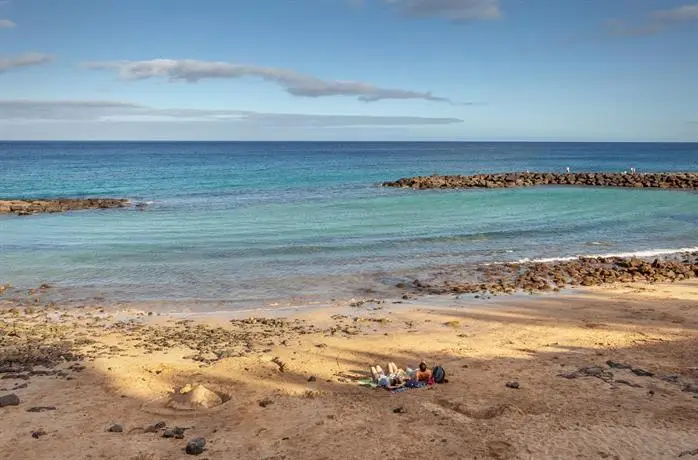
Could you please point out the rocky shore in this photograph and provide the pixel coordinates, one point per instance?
(679, 180)
(541, 277)
(29, 207)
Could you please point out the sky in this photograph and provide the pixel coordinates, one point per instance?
(499, 70)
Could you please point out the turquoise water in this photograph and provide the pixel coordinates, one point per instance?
(256, 223)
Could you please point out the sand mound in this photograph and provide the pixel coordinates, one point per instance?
(193, 397)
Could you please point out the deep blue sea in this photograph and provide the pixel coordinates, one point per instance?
(253, 224)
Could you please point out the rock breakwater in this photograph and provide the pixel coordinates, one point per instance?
(541, 277)
(678, 180)
(29, 207)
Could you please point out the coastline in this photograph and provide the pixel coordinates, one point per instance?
(99, 366)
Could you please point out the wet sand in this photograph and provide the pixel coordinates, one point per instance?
(287, 386)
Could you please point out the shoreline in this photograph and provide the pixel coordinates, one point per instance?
(477, 281)
(288, 385)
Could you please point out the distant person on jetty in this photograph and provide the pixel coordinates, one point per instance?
(567, 170)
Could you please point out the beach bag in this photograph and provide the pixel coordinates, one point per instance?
(438, 374)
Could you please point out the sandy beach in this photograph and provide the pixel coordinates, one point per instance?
(603, 372)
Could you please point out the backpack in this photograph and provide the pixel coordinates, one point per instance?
(438, 374)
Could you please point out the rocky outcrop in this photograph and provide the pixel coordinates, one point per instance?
(678, 180)
(29, 207)
(540, 277)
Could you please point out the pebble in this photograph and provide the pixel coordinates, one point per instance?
(616, 365)
(154, 428)
(642, 373)
(116, 428)
(400, 410)
(513, 384)
(312, 378)
(195, 446)
(38, 433)
(265, 402)
(176, 432)
(9, 400)
(41, 408)
(690, 388)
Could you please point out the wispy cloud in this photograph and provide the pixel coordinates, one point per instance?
(297, 84)
(682, 13)
(24, 110)
(657, 21)
(24, 60)
(455, 10)
(7, 24)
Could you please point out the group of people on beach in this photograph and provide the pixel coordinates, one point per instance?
(396, 377)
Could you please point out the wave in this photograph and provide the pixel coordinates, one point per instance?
(646, 253)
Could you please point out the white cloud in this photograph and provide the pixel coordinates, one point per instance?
(456, 10)
(24, 60)
(7, 24)
(297, 84)
(658, 21)
(29, 110)
(682, 13)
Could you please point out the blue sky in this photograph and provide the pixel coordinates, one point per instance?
(615, 70)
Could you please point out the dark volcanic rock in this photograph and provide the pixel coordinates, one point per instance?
(615, 365)
(541, 277)
(195, 446)
(154, 428)
(176, 432)
(9, 400)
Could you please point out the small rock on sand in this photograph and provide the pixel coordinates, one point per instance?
(615, 365)
(176, 432)
(195, 446)
(265, 402)
(688, 452)
(41, 408)
(513, 384)
(9, 400)
(116, 428)
(38, 433)
(690, 388)
(154, 428)
(642, 373)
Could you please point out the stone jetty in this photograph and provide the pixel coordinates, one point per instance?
(666, 180)
(29, 207)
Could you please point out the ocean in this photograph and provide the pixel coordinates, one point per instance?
(259, 224)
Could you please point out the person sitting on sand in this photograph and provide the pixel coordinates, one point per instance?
(423, 374)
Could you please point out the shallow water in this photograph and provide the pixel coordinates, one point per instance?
(245, 224)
